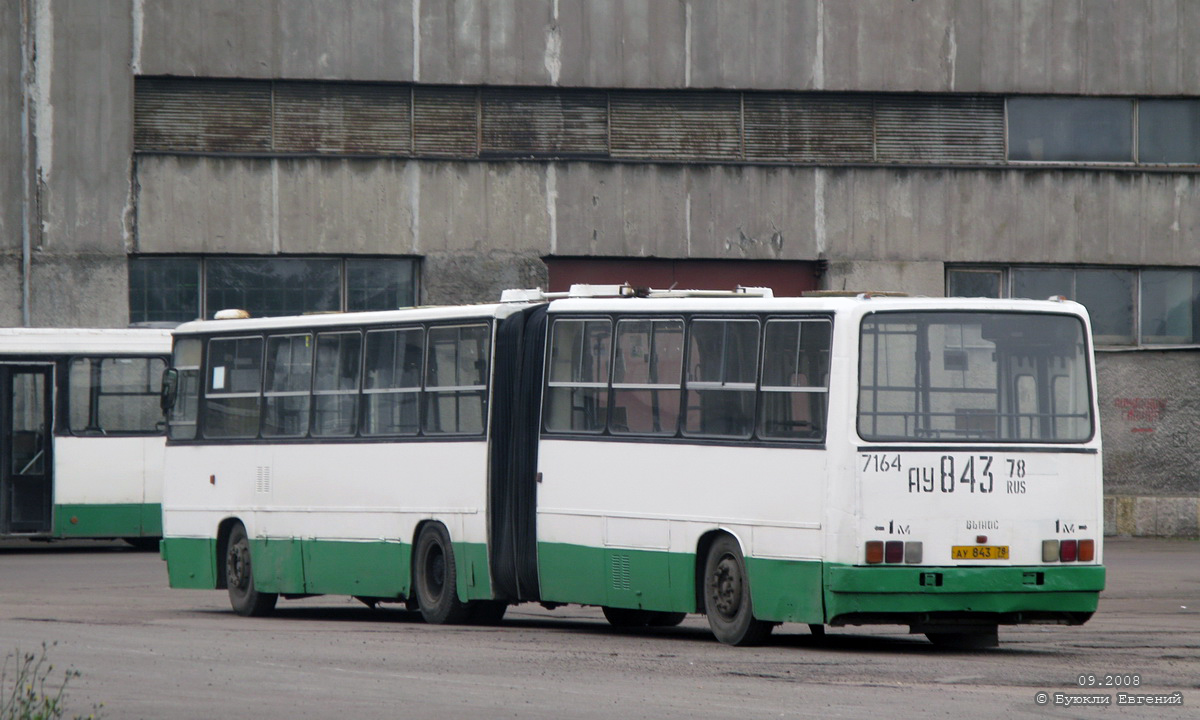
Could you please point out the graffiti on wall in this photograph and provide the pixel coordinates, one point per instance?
(1143, 412)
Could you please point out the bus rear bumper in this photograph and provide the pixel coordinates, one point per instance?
(961, 595)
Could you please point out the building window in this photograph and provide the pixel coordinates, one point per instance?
(1170, 307)
(179, 289)
(1138, 307)
(164, 290)
(1169, 131)
(1071, 129)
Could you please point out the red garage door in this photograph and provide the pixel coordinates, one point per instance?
(784, 277)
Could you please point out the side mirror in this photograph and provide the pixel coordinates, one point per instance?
(170, 389)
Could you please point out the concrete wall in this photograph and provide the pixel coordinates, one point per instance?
(1025, 46)
(860, 218)
(1150, 409)
(80, 148)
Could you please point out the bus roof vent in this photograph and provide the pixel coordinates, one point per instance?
(528, 295)
(231, 314)
(602, 291)
(860, 294)
(627, 290)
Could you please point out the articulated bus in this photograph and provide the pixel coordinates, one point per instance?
(81, 433)
(830, 461)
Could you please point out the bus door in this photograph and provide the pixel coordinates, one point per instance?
(26, 433)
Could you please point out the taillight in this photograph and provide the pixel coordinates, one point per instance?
(894, 552)
(1068, 551)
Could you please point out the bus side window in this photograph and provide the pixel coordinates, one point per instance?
(456, 380)
(392, 387)
(115, 395)
(234, 384)
(335, 389)
(181, 418)
(577, 392)
(289, 376)
(795, 378)
(646, 377)
(722, 373)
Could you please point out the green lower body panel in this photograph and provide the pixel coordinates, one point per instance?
(1015, 592)
(191, 562)
(324, 567)
(786, 590)
(780, 590)
(123, 520)
(474, 574)
(617, 577)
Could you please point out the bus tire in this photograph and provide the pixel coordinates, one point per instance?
(436, 578)
(239, 577)
(727, 596)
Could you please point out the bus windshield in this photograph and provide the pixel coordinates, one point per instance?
(974, 376)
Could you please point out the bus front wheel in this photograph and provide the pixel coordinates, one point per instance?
(727, 596)
(239, 577)
(437, 592)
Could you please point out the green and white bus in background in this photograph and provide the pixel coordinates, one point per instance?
(81, 433)
(831, 461)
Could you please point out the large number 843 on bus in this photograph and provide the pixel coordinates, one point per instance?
(831, 461)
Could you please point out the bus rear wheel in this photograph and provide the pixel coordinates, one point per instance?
(435, 578)
(239, 577)
(727, 596)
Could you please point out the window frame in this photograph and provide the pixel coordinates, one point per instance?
(1138, 285)
(202, 435)
(201, 267)
(756, 437)
(96, 364)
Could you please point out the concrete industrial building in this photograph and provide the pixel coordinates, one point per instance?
(160, 159)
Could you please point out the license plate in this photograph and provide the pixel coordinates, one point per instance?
(979, 552)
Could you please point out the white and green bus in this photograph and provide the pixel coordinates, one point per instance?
(81, 433)
(829, 461)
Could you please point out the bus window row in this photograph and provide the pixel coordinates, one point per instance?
(335, 384)
(741, 378)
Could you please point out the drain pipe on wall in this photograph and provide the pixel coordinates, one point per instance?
(27, 218)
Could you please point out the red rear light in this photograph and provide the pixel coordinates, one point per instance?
(1087, 550)
(1067, 550)
(894, 551)
(874, 552)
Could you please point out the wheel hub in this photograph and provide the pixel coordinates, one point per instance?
(235, 566)
(725, 587)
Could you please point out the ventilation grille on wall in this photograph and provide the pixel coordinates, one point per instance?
(195, 115)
